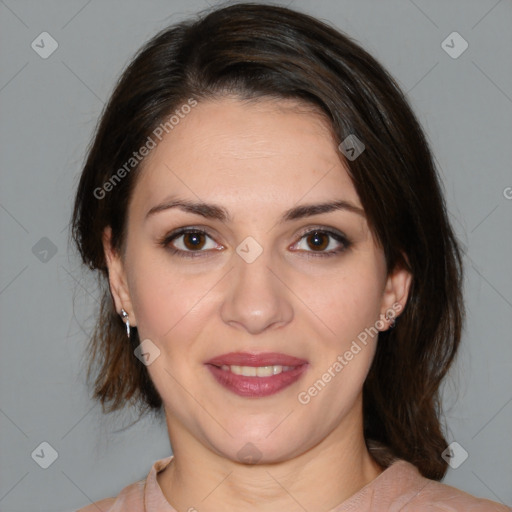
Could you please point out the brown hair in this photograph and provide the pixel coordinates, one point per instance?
(253, 51)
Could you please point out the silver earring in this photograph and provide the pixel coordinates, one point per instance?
(124, 314)
(391, 319)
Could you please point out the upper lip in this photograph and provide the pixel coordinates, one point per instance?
(251, 359)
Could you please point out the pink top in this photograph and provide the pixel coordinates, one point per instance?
(400, 487)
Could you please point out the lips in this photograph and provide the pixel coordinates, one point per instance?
(256, 375)
(263, 359)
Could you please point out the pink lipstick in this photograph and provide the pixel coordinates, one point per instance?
(256, 375)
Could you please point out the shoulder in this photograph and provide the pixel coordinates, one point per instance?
(99, 506)
(130, 498)
(402, 486)
(423, 494)
(442, 497)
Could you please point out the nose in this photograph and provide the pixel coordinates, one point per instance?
(256, 298)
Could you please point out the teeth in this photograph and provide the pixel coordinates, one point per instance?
(256, 371)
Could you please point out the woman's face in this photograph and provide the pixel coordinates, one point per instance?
(265, 312)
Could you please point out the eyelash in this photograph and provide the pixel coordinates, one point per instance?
(170, 237)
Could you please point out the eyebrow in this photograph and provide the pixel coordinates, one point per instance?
(216, 212)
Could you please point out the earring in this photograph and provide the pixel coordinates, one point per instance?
(391, 319)
(124, 314)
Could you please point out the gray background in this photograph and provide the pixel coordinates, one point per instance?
(49, 108)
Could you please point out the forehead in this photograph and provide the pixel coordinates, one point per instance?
(267, 151)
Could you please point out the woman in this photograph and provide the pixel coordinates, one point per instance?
(283, 281)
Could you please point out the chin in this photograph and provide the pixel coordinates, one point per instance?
(263, 446)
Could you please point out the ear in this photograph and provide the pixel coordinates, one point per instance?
(394, 299)
(117, 277)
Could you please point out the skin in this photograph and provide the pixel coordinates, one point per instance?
(256, 159)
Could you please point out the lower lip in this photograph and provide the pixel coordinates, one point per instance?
(256, 386)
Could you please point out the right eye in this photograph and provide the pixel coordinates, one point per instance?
(188, 242)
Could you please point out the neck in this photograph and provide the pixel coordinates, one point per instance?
(319, 479)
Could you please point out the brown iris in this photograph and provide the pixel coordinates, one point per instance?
(194, 241)
(319, 241)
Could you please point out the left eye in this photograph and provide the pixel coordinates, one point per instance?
(324, 243)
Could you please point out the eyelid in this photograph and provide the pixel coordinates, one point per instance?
(323, 229)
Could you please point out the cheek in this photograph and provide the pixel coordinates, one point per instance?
(348, 305)
(167, 303)
(154, 301)
(347, 301)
